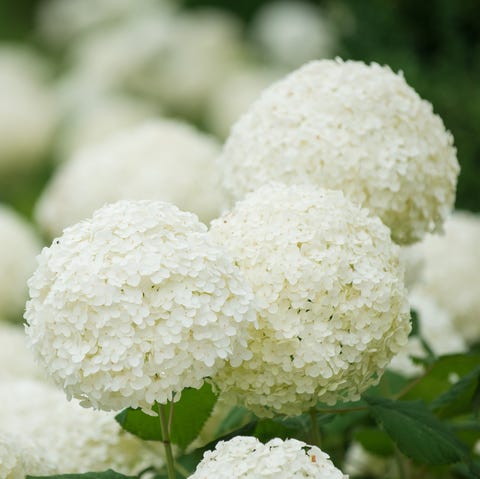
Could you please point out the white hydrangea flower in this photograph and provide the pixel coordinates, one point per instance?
(332, 307)
(16, 360)
(59, 21)
(77, 440)
(353, 127)
(291, 33)
(27, 109)
(436, 327)
(451, 273)
(135, 304)
(99, 117)
(19, 246)
(233, 97)
(19, 457)
(117, 57)
(203, 46)
(157, 160)
(246, 457)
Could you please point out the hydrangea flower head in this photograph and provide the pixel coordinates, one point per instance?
(133, 305)
(332, 306)
(246, 457)
(353, 127)
(77, 440)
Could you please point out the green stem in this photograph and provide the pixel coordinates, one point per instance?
(166, 441)
(315, 430)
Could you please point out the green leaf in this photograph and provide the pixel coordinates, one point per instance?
(375, 441)
(416, 431)
(459, 399)
(415, 323)
(189, 415)
(87, 475)
(283, 428)
(237, 417)
(437, 379)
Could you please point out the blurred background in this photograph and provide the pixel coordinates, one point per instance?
(227, 52)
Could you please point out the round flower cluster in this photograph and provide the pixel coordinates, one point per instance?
(158, 160)
(19, 246)
(245, 457)
(332, 307)
(136, 304)
(19, 457)
(451, 272)
(28, 111)
(77, 440)
(291, 33)
(16, 361)
(352, 127)
(436, 328)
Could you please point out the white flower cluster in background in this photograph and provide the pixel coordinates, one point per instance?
(159, 159)
(291, 33)
(243, 457)
(202, 48)
(28, 111)
(436, 327)
(451, 274)
(76, 439)
(354, 127)
(16, 361)
(19, 246)
(60, 22)
(19, 457)
(332, 307)
(96, 118)
(135, 304)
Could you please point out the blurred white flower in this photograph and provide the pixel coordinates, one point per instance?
(332, 307)
(16, 360)
(159, 159)
(20, 245)
(243, 457)
(452, 272)
(202, 48)
(28, 111)
(292, 33)
(134, 305)
(19, 457)
(233, 97)
(359, 462)
(436, 328)
(98, 117)
(76, 439)
(59, 21)
(354, 127)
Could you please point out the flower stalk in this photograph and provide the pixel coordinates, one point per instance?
(164, 425)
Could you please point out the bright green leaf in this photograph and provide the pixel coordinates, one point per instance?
(416, 431)
(87, 475)
(189, 415)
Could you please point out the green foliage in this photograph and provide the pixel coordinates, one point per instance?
(416, 431)
(109, 474)
(375, 441)
(189, 415)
